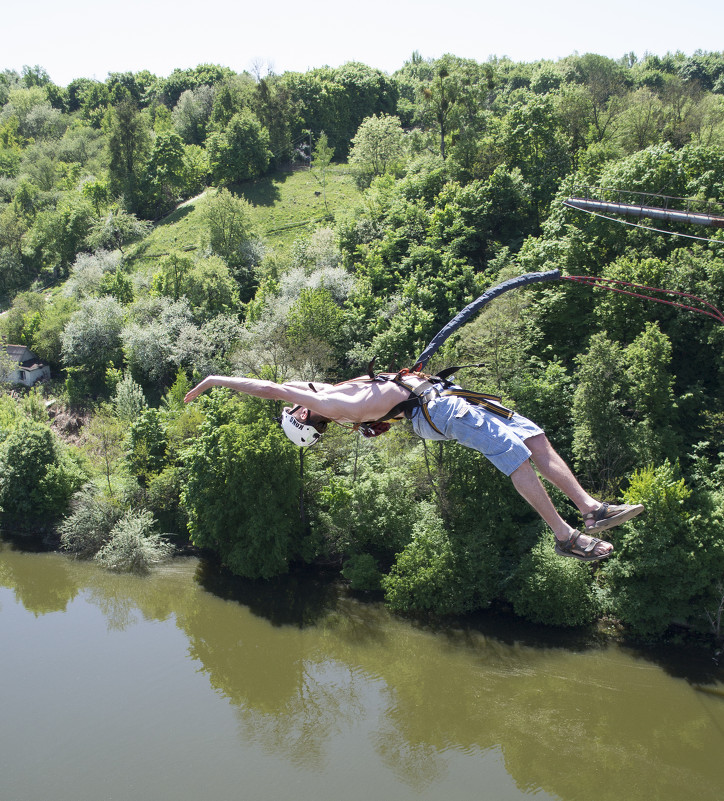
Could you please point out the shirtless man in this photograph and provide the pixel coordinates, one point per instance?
(510, 444)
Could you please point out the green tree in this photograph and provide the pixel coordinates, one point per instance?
(165, 175)
(47, 340)
(37, 475)
(321, 159)
(531, 141)
(35, 76)
(240, 151)
(367, 511)
(424, 577)
(169, 90)
(279, 113)
(652, 396)
(603, 83)
(377, 147)
(602, 435)
(128, 400)
(192, 112)
(146, 446)
(440, 97)
(437, 573)
(103, 440)
(553, 591)
(92, 337)
(231, 232)
(670, 559)
(58, 235)
(314, 317)
(640, 120)
(196, 170)
(211, 290)
(172, 275)
(116, 228)
(11, 146)
(242, 492)
(337, 100)
(129, 143)
(18, 321)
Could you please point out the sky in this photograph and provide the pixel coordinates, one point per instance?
(90, 38)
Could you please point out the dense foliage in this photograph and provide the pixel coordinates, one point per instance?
(461, 169)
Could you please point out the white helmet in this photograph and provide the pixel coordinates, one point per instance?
(301, 434)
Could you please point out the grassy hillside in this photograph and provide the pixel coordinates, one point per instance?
(285, 206)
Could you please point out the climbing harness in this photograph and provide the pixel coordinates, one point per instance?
(435, 386)
(430, 388)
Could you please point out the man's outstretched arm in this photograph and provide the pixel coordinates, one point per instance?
(293, 392)
(324, 399)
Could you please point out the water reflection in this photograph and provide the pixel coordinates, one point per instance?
(39, 592)
(324, 683)
(297, 599)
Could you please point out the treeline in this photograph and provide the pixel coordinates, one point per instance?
(463, 167)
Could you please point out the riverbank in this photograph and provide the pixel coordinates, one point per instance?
(301, 598)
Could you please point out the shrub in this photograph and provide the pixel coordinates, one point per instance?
(362, 573)
(552, 590)
(92, 336)
(370, 513)
(242, 492)
(671, 557)
(423, 576)
(133, 546)
(146, 445)
(129, 400)
(88, 527)
(435, 572)
(163, 499)
(38, 476)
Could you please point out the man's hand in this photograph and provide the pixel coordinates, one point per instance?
(200, 388)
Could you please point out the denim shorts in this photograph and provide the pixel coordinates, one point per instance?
(501, 441)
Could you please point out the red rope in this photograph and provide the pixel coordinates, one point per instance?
(604, 283)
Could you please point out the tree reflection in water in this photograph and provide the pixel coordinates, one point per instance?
(312, 673)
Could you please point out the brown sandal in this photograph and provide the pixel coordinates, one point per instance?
(609, 515)
(585, 554)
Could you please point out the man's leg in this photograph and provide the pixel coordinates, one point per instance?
(527, 483)
(554, 469)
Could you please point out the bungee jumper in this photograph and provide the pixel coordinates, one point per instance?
(439, 409)
(439, 412)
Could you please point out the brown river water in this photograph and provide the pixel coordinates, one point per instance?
(188, 684)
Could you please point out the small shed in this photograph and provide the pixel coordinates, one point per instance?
(22, 366)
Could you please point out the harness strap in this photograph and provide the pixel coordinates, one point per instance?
(448, 371)
(426, 391)
(491, 403)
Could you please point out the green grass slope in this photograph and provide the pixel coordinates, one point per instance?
(285, 206)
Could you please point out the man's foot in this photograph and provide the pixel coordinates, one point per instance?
(609, 515)
(580, 546)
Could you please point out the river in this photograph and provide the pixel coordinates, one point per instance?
(188, 684)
